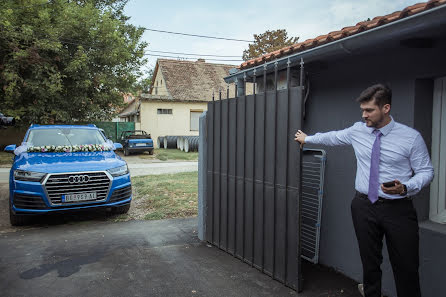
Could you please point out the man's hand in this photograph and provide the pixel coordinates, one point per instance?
(395, 190)
(300, 137)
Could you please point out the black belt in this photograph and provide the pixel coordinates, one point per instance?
(383, 200)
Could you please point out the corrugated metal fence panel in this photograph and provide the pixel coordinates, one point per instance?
(124, 126)
(209, 211)
(313, 167)
(253, 181)
(113, 130)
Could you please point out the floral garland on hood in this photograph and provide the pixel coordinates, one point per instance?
(69, 148)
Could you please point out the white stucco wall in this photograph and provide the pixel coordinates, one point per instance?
(175, 124)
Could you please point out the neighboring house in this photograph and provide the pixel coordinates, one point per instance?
(131, 113)
(178, 95)
(128, 98)
(405, 49)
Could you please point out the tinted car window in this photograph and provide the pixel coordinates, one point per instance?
(40, 137)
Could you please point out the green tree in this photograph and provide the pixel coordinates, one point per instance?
(66, 60)
(144, 82)
(268, 42)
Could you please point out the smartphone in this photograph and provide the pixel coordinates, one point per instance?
(389, 184)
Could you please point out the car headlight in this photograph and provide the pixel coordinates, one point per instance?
(28, 175)
(117, 171)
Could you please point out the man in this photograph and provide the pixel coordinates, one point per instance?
(393, 164)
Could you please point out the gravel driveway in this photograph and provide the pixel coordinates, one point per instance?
(138, 167)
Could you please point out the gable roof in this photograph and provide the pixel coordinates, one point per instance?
(192, 81)
(131, 109)
(343, 33)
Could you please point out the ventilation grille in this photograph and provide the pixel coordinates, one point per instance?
(121, 194)
(28, 202)
(59, 184)
(313, 167)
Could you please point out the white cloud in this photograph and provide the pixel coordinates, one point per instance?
(351, 12)
(241, 19)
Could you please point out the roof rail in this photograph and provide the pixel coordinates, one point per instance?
(34, 125)
(91, 125)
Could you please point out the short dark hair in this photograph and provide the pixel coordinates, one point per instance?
(380, 92)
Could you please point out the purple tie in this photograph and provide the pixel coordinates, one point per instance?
(374, 168)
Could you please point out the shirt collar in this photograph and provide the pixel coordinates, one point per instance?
(386, 129)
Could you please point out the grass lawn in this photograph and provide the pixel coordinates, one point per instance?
(5, 158)
(165, 196)
(171, 154)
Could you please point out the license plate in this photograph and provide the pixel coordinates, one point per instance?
(140, 144)
(79, 197)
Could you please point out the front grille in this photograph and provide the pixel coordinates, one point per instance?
(58, 185)
(28, 202)
(121, 194)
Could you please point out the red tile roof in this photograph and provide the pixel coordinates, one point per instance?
(344, 32)
(192, 81)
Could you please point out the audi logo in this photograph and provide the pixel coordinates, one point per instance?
(78, 179)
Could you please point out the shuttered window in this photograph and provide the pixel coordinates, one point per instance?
(194, 119)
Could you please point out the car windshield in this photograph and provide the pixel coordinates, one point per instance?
(64, 136)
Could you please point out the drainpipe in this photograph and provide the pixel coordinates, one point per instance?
(240, 87)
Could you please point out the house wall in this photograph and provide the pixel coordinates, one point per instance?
(175, 124)
(331, 106)
(159, 85)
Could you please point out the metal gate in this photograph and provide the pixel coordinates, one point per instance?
(253, 179)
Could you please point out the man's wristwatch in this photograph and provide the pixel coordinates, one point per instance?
(404, 192)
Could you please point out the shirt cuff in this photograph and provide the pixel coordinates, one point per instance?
(411, 188)
(309, 139)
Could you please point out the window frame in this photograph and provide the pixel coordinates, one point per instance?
(164, 111)
(190, 119)
(437, 205)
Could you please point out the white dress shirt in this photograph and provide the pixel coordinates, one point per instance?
(403, 155)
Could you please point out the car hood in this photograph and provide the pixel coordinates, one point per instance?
(67, 162)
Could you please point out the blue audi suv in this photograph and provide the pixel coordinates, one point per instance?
(60, 168)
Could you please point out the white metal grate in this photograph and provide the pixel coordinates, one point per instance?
(313, 168)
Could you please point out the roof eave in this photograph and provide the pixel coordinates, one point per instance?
(406, 26)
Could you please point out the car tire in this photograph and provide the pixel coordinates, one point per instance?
(151, 152)
(17, 220)
(121, 209)
(126, 151)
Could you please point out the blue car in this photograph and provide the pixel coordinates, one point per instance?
(136, 141)
(61, 168)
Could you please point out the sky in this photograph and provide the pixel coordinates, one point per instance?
(238, 19)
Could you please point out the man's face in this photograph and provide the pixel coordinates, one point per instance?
(373, 115)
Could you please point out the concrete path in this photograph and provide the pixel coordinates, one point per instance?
(4, 174)
(162, 168)
(139, 169)
(139, 258)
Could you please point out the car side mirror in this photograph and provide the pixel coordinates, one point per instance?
(10, 148)
(118, 146)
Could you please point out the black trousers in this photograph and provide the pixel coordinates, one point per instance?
(397, 221)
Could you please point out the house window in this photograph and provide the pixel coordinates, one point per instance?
(195, 119)
(437, 212)
(164, 111)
